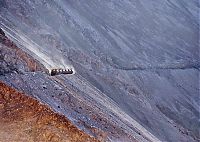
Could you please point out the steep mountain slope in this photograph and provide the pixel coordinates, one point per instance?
(136, 60)
(25, 119)
(24, 73)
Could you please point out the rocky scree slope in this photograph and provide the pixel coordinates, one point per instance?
(142, 57)
(26, 74)
(26, 119)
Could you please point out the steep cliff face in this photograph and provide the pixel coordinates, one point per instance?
(137, 63)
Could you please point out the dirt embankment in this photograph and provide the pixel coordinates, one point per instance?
(25, 119)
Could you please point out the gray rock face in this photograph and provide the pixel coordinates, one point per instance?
(139, 57)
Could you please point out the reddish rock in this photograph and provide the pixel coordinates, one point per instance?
(25, 119)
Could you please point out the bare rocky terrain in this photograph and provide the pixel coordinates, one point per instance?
(26, 74)
(137, 64)
(25, 119)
